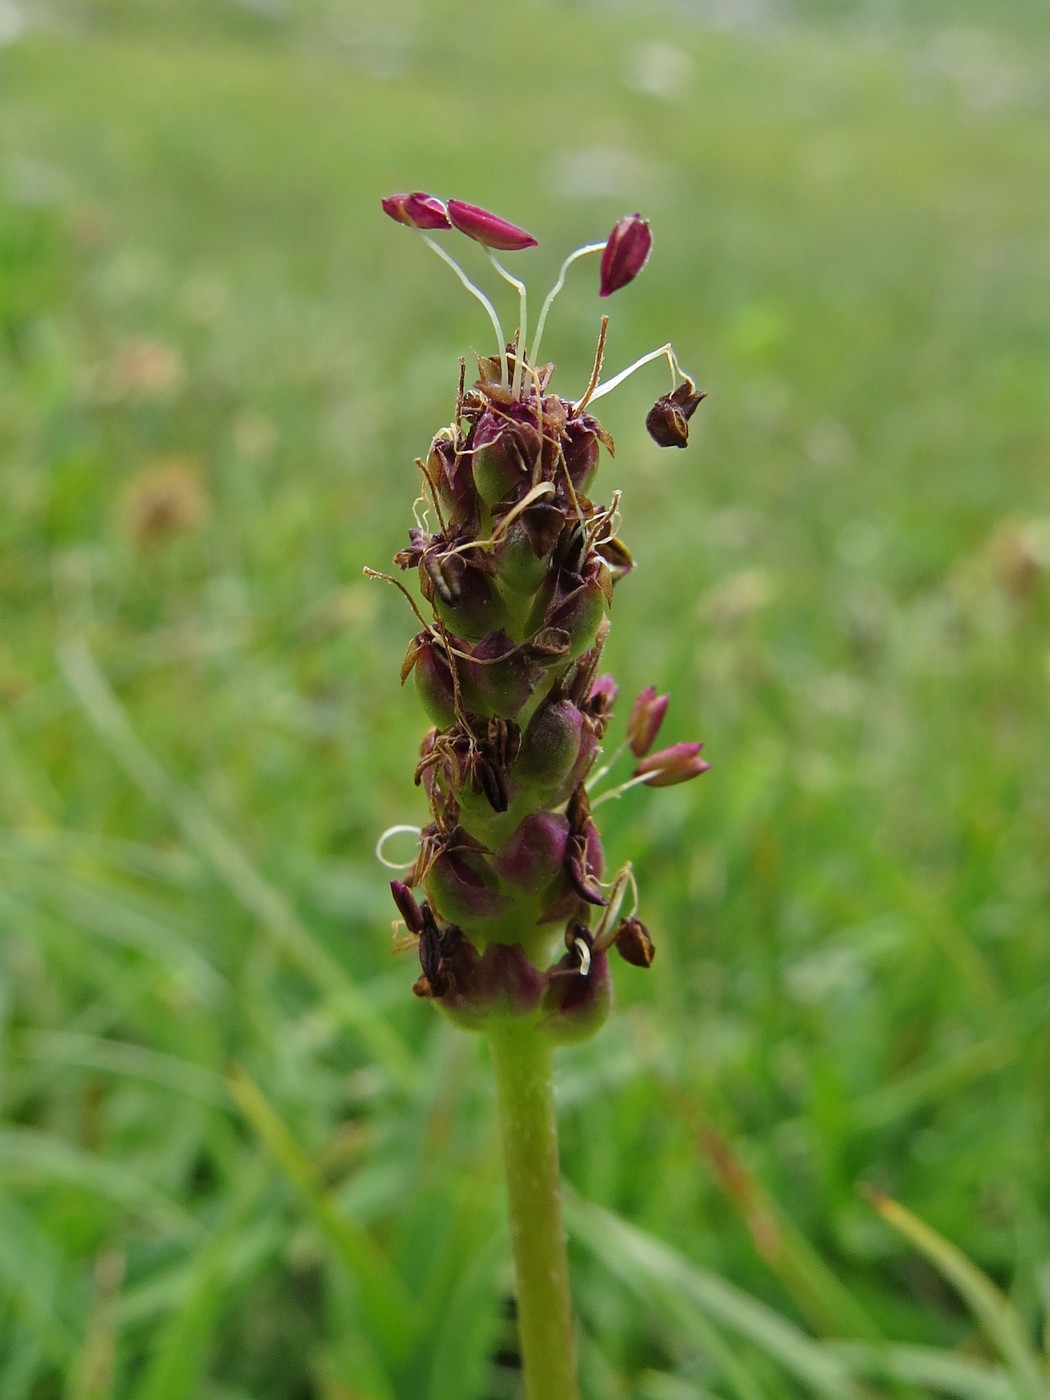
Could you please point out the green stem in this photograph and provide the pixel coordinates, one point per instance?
(522, 1061)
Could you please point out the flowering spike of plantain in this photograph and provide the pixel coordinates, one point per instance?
(518, 569)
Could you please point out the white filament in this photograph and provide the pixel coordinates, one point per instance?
(476, 292)
(381, 844)
(523, 317)
(664, 352)
(579, 253)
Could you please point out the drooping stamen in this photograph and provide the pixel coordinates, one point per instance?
(432, 490)
(604, 933)
(523, 317)
(645, 779)
(480, 295)
(582, 950)
(583, 252)
(374, 573)
(400, 830)
(665, 352)
(603, 771)
(545, 488)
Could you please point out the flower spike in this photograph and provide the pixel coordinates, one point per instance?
(417, 210)
(487, 228)
(507, 901)
(625, 253)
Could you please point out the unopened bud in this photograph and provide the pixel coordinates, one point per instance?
(503, 455)
(463, 888)
(577, 1004)
(535, 852)
(550, 746)
(503, 675)
(433, 677)
(580, 613)
(502, 983)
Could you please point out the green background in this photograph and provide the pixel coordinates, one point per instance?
(237, 1160)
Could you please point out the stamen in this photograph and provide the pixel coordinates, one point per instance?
(374, 573)
(419, 514)
(605, 932)
(523, 317)
(534, 354)
(599, 773)
(381, 843)
(638, 781)
(476, 292)
(402, 942)
(433, 491)
(665, 352)
(604, 527)
(580, 947)
(544, 488)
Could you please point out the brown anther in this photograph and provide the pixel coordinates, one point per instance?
(633, 943)
(667, 422)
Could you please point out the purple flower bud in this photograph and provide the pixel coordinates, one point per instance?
(535, 852)
(503, 982)
(581, 451)
(550, 745)
(417, 210)
(677, 764)
(488, 228)
(667, 422)
(645, 719)
(461, 594)
(407, 906)
(433, 679)
(449, 473)
(522, 557)
(625, 253)
(502, 676)
(580, 613)
(577, 1006)
(504, 452)
(589, 750)
(463, 888)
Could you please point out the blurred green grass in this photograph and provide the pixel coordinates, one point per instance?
(217, 362)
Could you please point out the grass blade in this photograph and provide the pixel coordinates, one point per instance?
(383, 1298)
(941, 1371)
(989, 1306)
(657, 1272)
